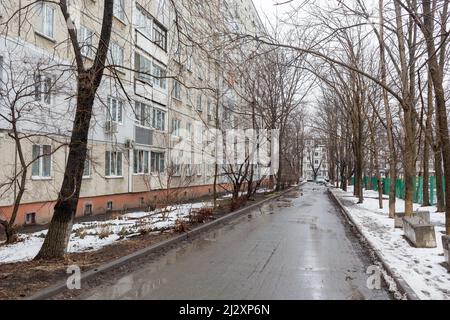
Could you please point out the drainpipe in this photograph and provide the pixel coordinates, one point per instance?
(15, 171)
(130, 170)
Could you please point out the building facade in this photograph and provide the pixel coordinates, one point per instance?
(154, 106)
(315, 160)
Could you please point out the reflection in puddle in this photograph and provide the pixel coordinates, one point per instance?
(284, 203)
(294, 194)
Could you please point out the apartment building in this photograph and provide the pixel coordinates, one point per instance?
(152, 107)
(315, 160)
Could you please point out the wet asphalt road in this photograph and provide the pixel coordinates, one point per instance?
(297, 247)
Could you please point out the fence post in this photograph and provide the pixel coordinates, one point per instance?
(432, 190)
(418, 194)
(386, 185)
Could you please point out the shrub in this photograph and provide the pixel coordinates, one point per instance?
(105, 232)
(201, 215)
(145, 230)
(237, 203)
(123, 232)
(180, 226)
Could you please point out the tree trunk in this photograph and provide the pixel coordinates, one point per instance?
(389, 122)
(438, 177)
(409, 163)
(57, 239)
(280, 165)
(441, 111)
(88, 81)
(426, 148)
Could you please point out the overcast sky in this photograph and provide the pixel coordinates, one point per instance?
(267, 8)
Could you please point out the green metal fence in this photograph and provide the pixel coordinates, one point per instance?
(371, 183)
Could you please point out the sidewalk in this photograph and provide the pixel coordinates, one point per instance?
(420, 268)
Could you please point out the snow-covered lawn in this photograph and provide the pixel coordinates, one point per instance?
(94, 235)
(420, 268)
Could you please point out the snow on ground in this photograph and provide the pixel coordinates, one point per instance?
(420, 268)
(94, 235)
(242, 193)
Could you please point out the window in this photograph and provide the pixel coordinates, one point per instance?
(42, 161)
(176, 90)
(143, 114)
(109, 206)
(159, 35)
(189, 129)
(188, 97)
(176, 168)
(118, 9)
(143, 67)
(87, 47)
(30, 218)
(1, 72)
(188, 170)
(189, 62)
(115, 110)
(316, 154)
(140, 161)
(157, 162)
(43, 88)
(210, 111)
(143, 21)
(47, 15)
(113, 164)
(159, 119)
(159, 74)
(199, 102)
(200, 70)
(88, 209)
(87, 165)
(176, 125)
(316, 161)
(115, 55)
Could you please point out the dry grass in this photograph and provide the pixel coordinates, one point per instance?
(201, 215)
(180, 226)
(104, 232)
(238, 203)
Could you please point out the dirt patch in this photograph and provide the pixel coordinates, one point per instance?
(21, 279)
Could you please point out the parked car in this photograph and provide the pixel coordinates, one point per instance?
(321, 181)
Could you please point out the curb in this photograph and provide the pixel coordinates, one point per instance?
(401, 283)
(61, 286)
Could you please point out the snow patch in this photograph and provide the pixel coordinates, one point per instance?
(420, 267)
(94, 235)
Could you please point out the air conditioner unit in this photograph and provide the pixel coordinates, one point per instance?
(129, 144)
(110, 127)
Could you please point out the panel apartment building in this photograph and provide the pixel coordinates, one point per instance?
(148, 106)
(315, 160)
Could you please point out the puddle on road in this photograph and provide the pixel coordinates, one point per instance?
(305, 220)
(272, 207)
(293, 194)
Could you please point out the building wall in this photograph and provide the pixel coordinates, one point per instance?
(120, 202)
(26, 50)
(315, 159)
